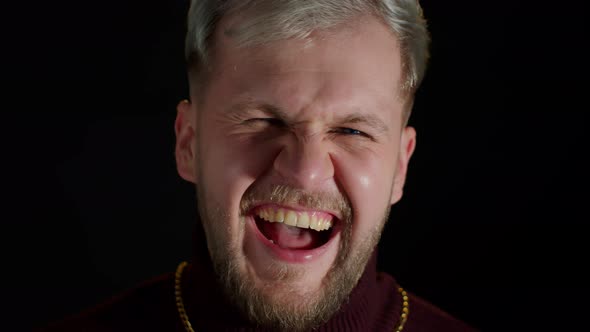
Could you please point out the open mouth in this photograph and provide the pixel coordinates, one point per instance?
(295, 230)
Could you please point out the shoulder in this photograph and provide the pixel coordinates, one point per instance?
(148, 307)
(425, 316)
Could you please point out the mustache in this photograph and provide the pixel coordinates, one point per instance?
(287, 195)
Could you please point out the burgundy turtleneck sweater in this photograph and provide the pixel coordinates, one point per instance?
(374, 305)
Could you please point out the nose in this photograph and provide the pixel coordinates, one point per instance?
(305, 164)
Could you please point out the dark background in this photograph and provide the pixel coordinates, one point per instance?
(492, 227)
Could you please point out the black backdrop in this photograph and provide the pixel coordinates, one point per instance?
(492, 224)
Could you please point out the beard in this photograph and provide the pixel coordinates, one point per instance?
(279, 304)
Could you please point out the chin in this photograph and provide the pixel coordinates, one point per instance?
(283, 274)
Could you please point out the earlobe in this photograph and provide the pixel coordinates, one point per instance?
(407, 146)
(184, 128)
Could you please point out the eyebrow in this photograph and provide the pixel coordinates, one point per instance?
(370, 120)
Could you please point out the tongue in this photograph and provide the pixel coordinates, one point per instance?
(290, 237)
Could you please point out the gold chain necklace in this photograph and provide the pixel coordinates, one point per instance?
(189, 328)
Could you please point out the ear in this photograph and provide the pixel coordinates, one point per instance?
(185, 128)
(407, 146)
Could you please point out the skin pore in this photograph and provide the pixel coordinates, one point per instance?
(301, 125)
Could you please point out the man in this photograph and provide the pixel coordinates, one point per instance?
(295, 136)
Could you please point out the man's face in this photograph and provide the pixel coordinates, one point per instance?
(297, 149)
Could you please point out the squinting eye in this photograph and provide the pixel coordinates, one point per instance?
(270, 121)
(350, 131)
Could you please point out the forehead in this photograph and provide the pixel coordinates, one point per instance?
(357, 63)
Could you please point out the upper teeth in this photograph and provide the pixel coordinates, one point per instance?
(318, 221)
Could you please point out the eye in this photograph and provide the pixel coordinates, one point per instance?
(350, 132)
(271, 121)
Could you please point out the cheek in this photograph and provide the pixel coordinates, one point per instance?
(229, 164)
(365, 177)
(367, 181)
